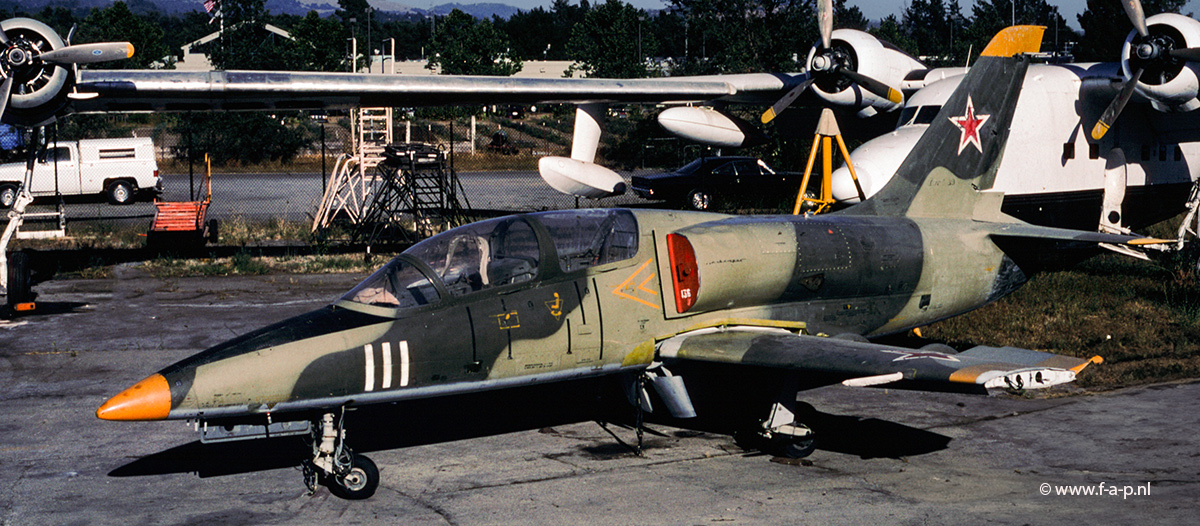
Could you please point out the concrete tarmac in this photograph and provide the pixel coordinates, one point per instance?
(885, 456)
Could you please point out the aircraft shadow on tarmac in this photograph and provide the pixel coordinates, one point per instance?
(420, 422)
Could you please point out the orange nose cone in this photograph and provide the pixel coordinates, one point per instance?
(149, 399)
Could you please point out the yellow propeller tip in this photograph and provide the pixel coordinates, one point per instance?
(768, 115)
(1099, 130)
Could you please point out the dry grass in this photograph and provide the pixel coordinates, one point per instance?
(244, 264)
(1138, 316)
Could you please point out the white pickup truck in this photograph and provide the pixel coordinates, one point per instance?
(121, 170)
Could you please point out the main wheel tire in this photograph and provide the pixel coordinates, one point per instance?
(359, 483)
(793, 447)
(698, 199)
(120, 193)
(8, 195)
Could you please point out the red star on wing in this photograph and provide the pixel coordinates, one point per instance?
(970, 124)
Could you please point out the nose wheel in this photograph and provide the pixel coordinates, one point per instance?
(359, 482)
(347, 475)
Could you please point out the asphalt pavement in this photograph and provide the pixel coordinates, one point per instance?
(885, 456)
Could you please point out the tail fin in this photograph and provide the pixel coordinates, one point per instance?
(958, 155)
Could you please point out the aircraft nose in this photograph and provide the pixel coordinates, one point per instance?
(149, 399)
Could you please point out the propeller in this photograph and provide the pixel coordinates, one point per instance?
(31, 56)
(828, 62)
(1147, 52)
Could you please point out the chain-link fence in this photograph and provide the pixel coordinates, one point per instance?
(270, 172)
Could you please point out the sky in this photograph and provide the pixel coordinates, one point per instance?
(872, 9)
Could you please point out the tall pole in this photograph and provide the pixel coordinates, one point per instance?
(370, 57)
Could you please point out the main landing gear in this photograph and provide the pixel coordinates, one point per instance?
(349, 476)
(779, 434)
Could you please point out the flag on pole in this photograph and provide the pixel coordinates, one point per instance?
(209, 5)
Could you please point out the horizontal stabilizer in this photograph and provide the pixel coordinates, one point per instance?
(865, 363)
(1027, 231)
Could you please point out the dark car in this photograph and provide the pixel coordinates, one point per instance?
(696, 184)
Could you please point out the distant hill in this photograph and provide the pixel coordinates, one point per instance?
(291, 7)
(482, 11)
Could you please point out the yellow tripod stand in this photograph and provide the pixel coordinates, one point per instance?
(827, 130)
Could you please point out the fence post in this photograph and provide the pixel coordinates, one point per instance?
(191, 172)
(324, 173)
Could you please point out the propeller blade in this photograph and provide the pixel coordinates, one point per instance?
(89, 53)
(3, 37)
(825, 21)
(1114, 109)
(1187, 53)
(786, 100)
(874, 86)
(4, 93)
(1133, 8)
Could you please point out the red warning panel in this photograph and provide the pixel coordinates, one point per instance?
(684, 272)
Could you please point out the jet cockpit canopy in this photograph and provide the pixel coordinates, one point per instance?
(500, 252)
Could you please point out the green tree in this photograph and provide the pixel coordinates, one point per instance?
(248, 138)
(463, 45)
(607, 42)
(117, 23)
(733, 36)
(541, 33)
(990, 16)
(318, 44)
(246, 43)
(412, 34)
(926, 23)
(849, 17)
(1105, 27)
(889, 30)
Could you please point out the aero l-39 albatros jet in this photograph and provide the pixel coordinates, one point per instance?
(643, 296)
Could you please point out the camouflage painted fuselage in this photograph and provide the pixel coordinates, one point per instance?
(820, 275)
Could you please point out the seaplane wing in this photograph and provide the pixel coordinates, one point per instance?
(164, 90)
(862, 363)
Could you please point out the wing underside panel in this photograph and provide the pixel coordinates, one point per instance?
(865, 363)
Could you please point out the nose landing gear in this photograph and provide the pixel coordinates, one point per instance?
(349, 476)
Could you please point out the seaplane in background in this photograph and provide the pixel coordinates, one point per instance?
(1085, 156)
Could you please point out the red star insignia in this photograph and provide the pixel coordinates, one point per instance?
(915, 355)
(970, 124)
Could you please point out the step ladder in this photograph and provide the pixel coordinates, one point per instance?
(418, 196)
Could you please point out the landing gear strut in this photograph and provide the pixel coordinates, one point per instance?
(780, 434)
(349, 476)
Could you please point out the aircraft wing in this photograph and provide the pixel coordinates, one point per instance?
(166, 90)
(864, 364)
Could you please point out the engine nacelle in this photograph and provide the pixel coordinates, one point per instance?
(39, 90)
(710, 126)
(869, 56)
(1169, 84)
(581, 178)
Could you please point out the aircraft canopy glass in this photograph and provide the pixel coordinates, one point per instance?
(586, 238)
(500, 252)
(480, 255)
(398, 284)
